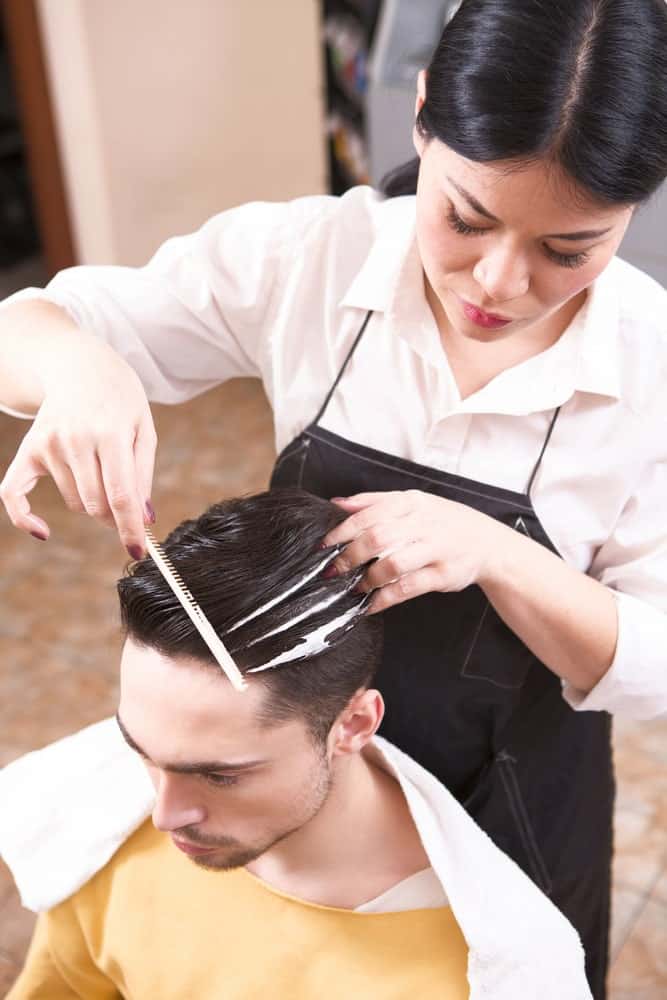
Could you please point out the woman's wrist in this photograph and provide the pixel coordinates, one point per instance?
(502, 547)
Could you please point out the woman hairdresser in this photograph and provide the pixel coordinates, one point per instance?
(479, 378)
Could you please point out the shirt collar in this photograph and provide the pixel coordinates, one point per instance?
(599, 349)
(386, 273)
(391, 281)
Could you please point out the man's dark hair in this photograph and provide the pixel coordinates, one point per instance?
(237, 557)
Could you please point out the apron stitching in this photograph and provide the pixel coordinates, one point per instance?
(415, 475)
(475, 638)
(484, 677)
(518, 808)
(290, 454)
(303, 462)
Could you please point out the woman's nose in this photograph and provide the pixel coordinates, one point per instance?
(174, 806)
(502, 274)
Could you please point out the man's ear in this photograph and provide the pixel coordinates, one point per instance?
(420, 100)
(357, 723)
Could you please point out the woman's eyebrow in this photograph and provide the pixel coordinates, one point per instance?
(472, 201)
(583, 234)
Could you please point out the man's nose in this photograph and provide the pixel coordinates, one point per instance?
(502, 273)
(174, 805)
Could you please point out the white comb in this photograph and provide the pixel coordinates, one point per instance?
(194, 612)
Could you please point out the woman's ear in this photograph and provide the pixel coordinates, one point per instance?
(420, 99)
(421, 91)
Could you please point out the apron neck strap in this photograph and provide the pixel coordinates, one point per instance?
(550, 431)
(333, 388)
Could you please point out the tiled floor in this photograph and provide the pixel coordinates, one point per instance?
(58, 668)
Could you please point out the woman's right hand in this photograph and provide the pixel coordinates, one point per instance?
(94, 435)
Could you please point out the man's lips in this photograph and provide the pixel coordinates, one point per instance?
(191, 849)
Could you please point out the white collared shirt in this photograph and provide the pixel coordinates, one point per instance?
(65, 810)
(280, 290)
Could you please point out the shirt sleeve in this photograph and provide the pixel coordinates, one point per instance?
(70, 975)
(633, 564)
(197, 314)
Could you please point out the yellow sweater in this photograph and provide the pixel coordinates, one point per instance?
(153, 926)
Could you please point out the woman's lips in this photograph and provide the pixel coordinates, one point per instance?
(481, 318)
(191, 849)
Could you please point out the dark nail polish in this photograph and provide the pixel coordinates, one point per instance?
(150, 512)
(36, 534)
(330, 572)
(136, 552)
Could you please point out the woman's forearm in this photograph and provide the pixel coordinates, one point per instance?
(93, 430)
(566, 618)
(36, 339)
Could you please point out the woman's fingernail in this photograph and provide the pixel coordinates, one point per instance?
(136, 552)
(36, 534)
(330, 572)
(338, 499)
(150, 512)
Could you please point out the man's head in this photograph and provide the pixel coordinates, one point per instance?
(238, 772)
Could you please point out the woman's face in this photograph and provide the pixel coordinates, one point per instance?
(504, 250)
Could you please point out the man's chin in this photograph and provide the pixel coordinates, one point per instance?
(226, 860)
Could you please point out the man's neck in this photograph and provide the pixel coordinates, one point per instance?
(361, 843)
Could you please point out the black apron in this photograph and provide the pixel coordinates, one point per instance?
(470, 702)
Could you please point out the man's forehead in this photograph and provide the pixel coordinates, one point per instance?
(186, 704)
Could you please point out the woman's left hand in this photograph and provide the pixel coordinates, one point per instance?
(422, 543)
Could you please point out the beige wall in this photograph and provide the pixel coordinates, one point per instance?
(171, 110)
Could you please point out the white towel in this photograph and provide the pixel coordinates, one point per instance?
(65, 810)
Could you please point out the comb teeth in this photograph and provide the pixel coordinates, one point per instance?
(194, 612)
(187, 593)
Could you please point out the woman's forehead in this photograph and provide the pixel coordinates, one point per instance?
(537, 191)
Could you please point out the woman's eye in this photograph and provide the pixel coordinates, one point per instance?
(568, 259)
(457, 223)
(220, 779)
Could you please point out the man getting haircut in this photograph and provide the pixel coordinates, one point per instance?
(292, 853)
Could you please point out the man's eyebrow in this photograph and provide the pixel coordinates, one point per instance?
(584, 234)
(128, 739)
(198, 767)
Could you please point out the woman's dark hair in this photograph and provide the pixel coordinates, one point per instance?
(582, 83)
(237, 557)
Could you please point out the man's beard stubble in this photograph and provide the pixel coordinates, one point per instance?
(239, 855)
